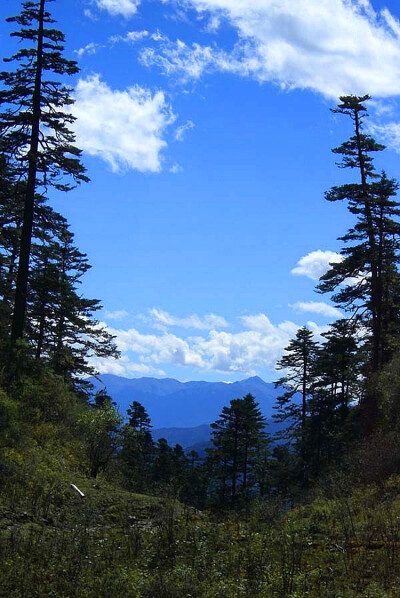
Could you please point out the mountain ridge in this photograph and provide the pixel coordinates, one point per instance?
(174, 404)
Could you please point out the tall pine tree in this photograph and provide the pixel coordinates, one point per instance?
(37, 144)
(239, 441)
(298, 363)
(366, 281)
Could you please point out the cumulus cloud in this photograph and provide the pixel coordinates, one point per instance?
(316, 263)
(261, 323)
(126, 8)
(162, 319)
(317, 307)
(124, 128)
(329, 46)
(242, 352)
(88, 49)
(165, 348)
(258, 345)
(124, 367)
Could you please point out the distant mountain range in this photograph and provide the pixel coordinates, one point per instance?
(182, 412)
(174, 404)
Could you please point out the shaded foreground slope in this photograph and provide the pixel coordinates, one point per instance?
(340, 545)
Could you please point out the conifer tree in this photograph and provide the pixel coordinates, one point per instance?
(62, 324)
(238, 437)
(338, 366)
(37, 144)
(163, 466)
(138, 418)
(366, 281)
(298, 361)
(138, 451)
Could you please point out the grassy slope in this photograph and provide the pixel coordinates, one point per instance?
(114, 543)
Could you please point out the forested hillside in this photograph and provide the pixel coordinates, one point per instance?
(90, 503)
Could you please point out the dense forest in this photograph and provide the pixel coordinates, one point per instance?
(90, 504)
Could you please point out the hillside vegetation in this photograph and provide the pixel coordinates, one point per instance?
(343, 542)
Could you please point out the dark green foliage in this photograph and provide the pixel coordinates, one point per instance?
(336, 385)
(61, 322)
(100, 431)
(367, 281)
(338, 365)
(237, 460)
(298, 361)
(37, 145)
(138, 418)
(158, 468)
(137, 450)
(164, 465)
(320, 384)
(22, 108)
(40, 268)
(10, 428)
(61, 325)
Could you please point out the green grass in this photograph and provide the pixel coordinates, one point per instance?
(114, 543)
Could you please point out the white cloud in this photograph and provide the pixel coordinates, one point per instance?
(124, 128)
(135, 36)
(189, 62)
(126, 8)
(317, 307)
(317, 330)
(88, 49)
(124, 367)
(88, 13)
(119, 314)
(241, 352)
(162, 319)
(153, 349)
(316, 263)
(181, 131)
(261, 323)
(176, 168)
(130, 37)
(388, 133)
(332, 47)
(213, 24)
(381, 108)
(259, 345)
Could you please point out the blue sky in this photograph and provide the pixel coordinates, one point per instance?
(206, 132)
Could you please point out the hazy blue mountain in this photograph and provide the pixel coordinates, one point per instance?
(174, 404)
(186, 437)
(199, 437)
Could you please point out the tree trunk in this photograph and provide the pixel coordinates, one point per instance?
(18, 322)
(370, 405)
(42, 318)
(235, 466)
